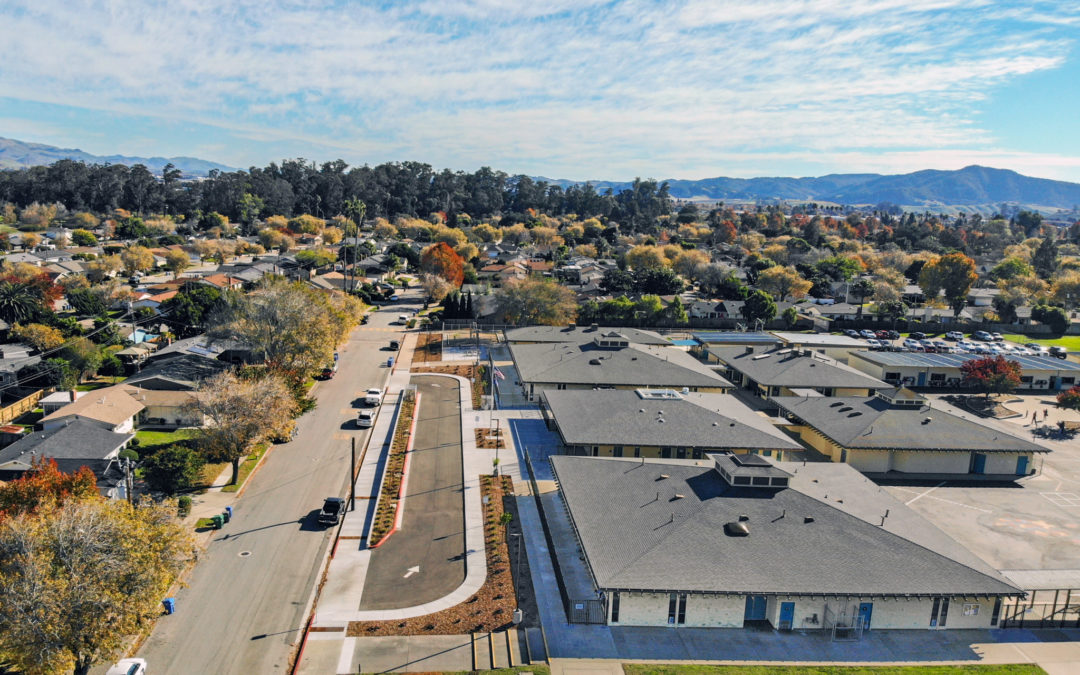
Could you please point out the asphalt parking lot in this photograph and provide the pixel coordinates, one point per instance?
(937, 342)
(1033, 523)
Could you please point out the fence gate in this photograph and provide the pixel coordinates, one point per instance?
(588, 611)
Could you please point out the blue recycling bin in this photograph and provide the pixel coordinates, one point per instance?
(390, 362)
(170, 605)
(228, 512)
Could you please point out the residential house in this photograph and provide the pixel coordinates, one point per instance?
(739, 541)
(792, 372)
(112, 408)
(898, 434)
(73, 445)
(660, 423)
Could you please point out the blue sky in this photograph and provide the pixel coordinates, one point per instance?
(563, 88)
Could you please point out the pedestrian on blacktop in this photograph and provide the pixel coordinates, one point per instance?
(1046, 413)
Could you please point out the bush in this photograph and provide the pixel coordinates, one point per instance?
(183, 506)
(172, 470)
(128, 453)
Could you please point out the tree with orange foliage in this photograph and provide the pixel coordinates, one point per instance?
(443, 261)
(45, 485)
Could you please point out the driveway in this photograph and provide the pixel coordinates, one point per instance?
(424, 560)
(244, 604)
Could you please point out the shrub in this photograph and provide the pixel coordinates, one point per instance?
(183, 506)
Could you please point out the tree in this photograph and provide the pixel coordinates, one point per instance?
(83, 355)
(689, 262)
(1045, 258)
(953, 273)
(441, 260)
(315, 258)
(676, 312)
(239, 411)
(1070, 400)
(645, 257)
(658, 281)
(791, 317)
(861, 289)
(137, 259)
(531, 301)
(993, 374)
(780, 282)
(83, 238)
(77, 578)
(172, 469)
(1054, 317)
(839, 268)
(87, 302)
(435, 287)
(39, 336)
(176, 261)
(1010, 268)
(45, 486)
(891, 309)
(19, 302)
(1066, 289)
(759, 307)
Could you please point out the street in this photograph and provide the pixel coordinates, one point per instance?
(244, 605)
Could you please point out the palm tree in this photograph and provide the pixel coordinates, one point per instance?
(18, 302)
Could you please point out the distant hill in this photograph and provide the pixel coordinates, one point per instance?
(19, 154)
(973, 186)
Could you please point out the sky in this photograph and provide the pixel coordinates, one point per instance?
(576, 89)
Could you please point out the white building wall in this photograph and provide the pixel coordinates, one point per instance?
(1005, 462)
(721, 611)
(886, 613)
(868, 461)
(643, 609)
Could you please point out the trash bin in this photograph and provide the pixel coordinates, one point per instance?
(216, 522)
(169, 604)
(390, 362)
(228, 513)
(225, 516)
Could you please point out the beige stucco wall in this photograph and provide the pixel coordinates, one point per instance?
(1005, 462)
(931, 462)
(651, 609)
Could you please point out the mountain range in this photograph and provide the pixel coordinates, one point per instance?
(973, 188)
(19, 154)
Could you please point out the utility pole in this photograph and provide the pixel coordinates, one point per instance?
(129, 483)
(352, 476)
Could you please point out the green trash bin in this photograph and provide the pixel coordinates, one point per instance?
(216, 522)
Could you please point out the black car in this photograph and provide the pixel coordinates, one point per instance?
(333, 510)
(894, 335)
(918, 336)
(1059, 352)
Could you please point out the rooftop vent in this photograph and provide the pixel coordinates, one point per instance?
(736, 530)
(808, 519)
(854, 414)
(836, 405)
(594, 362)
(928, 420)
(663, 476)
(743, 517)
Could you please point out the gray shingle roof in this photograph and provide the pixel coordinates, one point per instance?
(78, 440)
(615, 417)
(636, 365)
(923, 360)
(872, 423)
(579, 334)
(636, 541)
(790, 369)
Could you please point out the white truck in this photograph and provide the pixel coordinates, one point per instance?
(373, 396)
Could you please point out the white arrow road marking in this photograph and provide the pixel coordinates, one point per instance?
(411, 571)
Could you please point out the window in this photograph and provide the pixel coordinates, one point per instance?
(742, 480)
(681, 618)
(1068, 380)
(892, 376)
(637, 451)
(939, 613)
(595, 450)
(697, 453)
(1026, 378)
(779, 482)
(996, 613)
(616, 451)
(615, 607)
(827, 391)
(937, 377)
(766, 453)
(680, 453)
(561, 386)
(971, 609)
(665, 453)
(761, 480)
(672, 608)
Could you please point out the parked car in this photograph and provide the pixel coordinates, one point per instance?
(918, 336)
(997, 337)
(403, 319)
(883, 335)
(373, 396)
(874, 343)
(954, 335)
(328, 372)
(333, 510)
(894, 335)
(1037, 349)
(867, 334)
(941, 346)
(365, 418)
(394, 345)
(982, 335)
(912, 344)
(128, 667)
(1059, 352)
(851, 333)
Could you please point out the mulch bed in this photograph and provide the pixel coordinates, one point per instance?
(981, 406)
(388, 500)
(428, 348)
(489, 439)
(492, 607)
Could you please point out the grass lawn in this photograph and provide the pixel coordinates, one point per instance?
(152, 440)
(974, 669)
(99, 383)
(1070, 342)
(210, 472)
(246, 467)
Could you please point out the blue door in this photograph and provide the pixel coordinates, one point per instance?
(978, 463)
(755, 608)
(865, 610)
(787, 615)
(1021, 465)
(922, 379)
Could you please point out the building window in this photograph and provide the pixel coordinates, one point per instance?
(761, 480)
(996, 613)
(562, 386)
(665, 453)
(971, 609)
(637, 451)
(1068, 380)
(615, 607)
(596, 451)
(892, 376)
(672, 608)
(681, 618)
(766, 453)
(680, 453)
(939, 613)
(742, 480)
(617, 451)
(697, 453)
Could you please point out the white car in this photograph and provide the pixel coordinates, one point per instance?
(373, 396)
(365, 419)
(128, 667)
(954, 335)
(1038, 350)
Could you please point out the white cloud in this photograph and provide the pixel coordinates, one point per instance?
(594, 88)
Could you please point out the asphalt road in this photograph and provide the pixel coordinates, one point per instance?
(246, 598)
(431, 539)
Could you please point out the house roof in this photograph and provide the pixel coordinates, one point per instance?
(631, 418)
(111, 405)
(874, 423)
(635, 365)
(934, 360)
(660, 526)
(579, 334)
(790, 368)
(184, 369)
(76, 440)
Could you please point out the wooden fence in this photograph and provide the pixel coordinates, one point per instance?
(23, 406)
